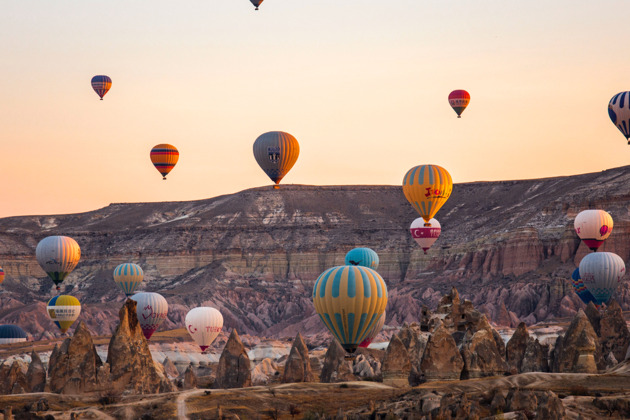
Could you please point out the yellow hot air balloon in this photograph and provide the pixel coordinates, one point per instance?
(276, 152)
(427, 187)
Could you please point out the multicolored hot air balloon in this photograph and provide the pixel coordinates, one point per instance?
(593, 227)
(619, 113)
(1, 275)
(459, 100)
(203, 325)
(427, 187)
(256, 3)
(164, 157)
(101, 85)
(371, 335)
(11, 334)
(349, 300)
(151, 310)
(276, 152)
(580, 289)
(425, 234)
(364, 257)
(601, 273)
(128, 276)
(63, 310)
(58, 256)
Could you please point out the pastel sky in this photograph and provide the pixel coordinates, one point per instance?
(362, 85)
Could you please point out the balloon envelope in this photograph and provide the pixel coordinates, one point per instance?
(11, 334)
(276, 152)
(601, 273)
(593, 227)
(204, 325)
(350, 300)
(580, 288)
(63, 310)
(151, 310)
(364, 257)
(425, 234)
(128, 276)
(427, 187)
(58, 256)
(164, 157)
(371, 335)
(256, 3)
(459, 100)
(101, 85)
(1, 275)
(619, 113)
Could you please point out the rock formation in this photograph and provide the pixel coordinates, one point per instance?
(396, 365)
(614, 336)
(441, 359)
(480, 352)
(515, 349)
(536, 357)
(131, 365)
(13, 378)
(73, 367)
(594, 316)
(415, 343)
(298, 365)
(190, 379)
(573, 350)
(36, 374)
(336, 368)
(264, 372)
(170, 369)
(234, 365)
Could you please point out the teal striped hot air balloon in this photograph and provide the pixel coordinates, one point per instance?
(128, 276)
(601, 273)
(364, 257)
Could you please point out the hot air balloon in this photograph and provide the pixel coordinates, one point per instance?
(203, 325)
(101, 85)
(128, 276)
(1, 275)
(276, 152)
(256, 3)
(601, 273)
(425, 234)
(58, 256)
(619, 113)
(580, 289)
(151, 310)
(63, 310)
(459, 100)
(164, 157)
(364, 257)
(427, 187)
(11, 334)
(593, 227)
(371, 335)
(349, 300)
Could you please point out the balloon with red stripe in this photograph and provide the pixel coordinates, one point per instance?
(101, 85)
(1, 275)
(425, 233)
(459, 100)
(164, 157)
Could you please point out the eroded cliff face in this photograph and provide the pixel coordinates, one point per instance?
(256, 254)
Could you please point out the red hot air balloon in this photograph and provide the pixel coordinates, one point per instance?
(459, 100)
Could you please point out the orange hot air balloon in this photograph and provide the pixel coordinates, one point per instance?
(427, 187)
(164, 157)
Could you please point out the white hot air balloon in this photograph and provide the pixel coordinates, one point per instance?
(204, 325)
(593, 227)
(425, 234)
(601, 273)
(58, 256)
(151, 310)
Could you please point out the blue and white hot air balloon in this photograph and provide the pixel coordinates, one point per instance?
(601, 273)
(619, 113)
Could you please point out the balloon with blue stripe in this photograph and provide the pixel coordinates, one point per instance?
(350, 300)
(365, 257)
(602, 272)
(128, 276)
(580, 288)
(619, 113)
(11, 334)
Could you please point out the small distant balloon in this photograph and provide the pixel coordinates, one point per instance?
(427, 187)
(256, 3)
(276, 152)
(580, 289)
(425, 234)
(101, 85)
(164, 157)
(204, 325)
(58, 256)
(127, 277)
(459, 100)
(364, 257)
(593, 227)
(63, 310)
(1, 274)
(11, 334)
(152, 310)
(619, 113)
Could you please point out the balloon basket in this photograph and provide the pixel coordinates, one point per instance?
(276, 187)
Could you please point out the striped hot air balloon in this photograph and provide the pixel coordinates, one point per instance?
(164, 157)
(63, 310)
(427, 187)
(11, 334)
(580, 289)
(128, 276)
(1, 275)
(204, 325)
(593, 227)
(601, 273)
(619, 113)
(425, 234)
(276, 152)
(350, 300)
(256, 3)
(459, 100)
(151, 310)
(364, 257)
(101, 85)
(371, 335)
(58, 256)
